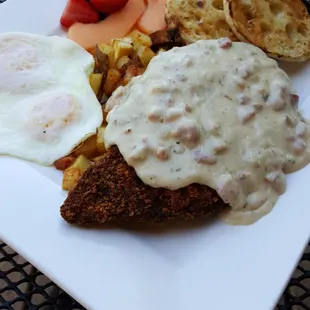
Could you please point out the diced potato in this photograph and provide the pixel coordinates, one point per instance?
(160, 51)
(140, 38)
(145, 54)
(126, 79)
(95, 80)
(64, 162)
(73, 173)
(121, 63)
(137, 46)
(108, 50)
(121, 48)
(102, 62)
(81, 163)
(111, 81)
(70, 178)
(128, 39)
(100, 140)
(87, 148)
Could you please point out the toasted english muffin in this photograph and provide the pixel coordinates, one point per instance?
(198, 19)
(281, 28)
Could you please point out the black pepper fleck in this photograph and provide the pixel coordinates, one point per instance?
(265, 97)
(200, 4)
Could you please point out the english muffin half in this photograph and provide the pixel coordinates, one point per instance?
(198, 19)
(281, 28)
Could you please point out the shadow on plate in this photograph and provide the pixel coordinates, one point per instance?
(168, 227)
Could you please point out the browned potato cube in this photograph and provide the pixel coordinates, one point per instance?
(100, 140)
(70, 178)
(95, 80)
(64, 162)
(111, 81)
(145, 54)
(102, 62)
(121, 63)
(135, 48)
(87, 148)
(81, 162)
(140, 38)
(121, 48)
(109, 51)
(73, 173)
(160, 51)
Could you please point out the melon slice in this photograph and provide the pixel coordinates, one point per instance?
(153, 18)
(116, 25)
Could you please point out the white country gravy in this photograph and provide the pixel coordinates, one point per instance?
(216, 113)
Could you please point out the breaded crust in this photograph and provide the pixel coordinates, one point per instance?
(110, 191)
(198, 19)
(281, 28)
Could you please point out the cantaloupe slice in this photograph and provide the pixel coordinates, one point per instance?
(153, 18)
(116, 25)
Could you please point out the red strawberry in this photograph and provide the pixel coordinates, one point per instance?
(108, 6)
(78, 11)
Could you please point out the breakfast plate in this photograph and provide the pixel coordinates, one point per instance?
(192, 265)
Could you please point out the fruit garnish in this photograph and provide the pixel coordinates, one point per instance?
(79, 11)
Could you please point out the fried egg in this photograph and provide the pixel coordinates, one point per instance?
(47, 106)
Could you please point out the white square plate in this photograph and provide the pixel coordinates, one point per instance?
(200, 266)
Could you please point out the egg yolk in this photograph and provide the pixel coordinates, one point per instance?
(50, 114)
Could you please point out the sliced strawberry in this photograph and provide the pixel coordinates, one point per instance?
(79, 11)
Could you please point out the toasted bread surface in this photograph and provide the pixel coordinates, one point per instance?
(198, 19)
(281, 28)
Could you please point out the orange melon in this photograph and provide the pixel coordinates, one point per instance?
(153, 18)
(116, 25)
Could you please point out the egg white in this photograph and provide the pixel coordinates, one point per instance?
(47, 106)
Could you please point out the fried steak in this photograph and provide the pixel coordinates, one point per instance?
(110, 191)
